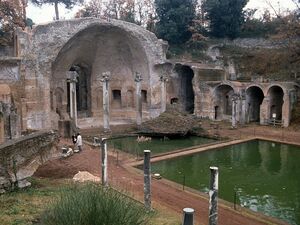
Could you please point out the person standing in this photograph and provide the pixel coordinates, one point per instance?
(74, 139)
(79, 142)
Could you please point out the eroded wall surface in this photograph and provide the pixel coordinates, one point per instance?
(96, 46)
(20, 158)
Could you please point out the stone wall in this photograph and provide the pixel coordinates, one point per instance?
(97, 46)
(20, 158)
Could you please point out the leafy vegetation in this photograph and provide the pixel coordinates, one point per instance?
(225, 17)
(174, 19)
(140, 12)
(12, 15)
(92, 205)
(26, 206)
(270, 63)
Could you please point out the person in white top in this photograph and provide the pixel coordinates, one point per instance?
(79, 142)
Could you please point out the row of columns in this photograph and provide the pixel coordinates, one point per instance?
(139, 112)
(72, 80)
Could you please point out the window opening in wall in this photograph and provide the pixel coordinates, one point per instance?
(116, 95)
(144, 96)
(174, 101)
(216, 112)
(116, 98)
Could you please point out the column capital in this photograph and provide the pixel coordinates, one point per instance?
(164, 78)
(235, 97)
(72, 76)
(138, 77)
(105, 76)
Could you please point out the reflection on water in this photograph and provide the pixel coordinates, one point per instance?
(156, 145)
(265, 175)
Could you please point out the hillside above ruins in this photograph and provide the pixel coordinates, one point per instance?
(243, 59)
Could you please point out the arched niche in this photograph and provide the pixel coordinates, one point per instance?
(276, 95)
(254, 99)
(93, 51)
(185, 87)
(223, 101)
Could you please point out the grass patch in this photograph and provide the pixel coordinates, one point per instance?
(31, 205)
(24, 206)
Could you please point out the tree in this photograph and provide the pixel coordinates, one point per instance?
(175, 17)
(225, 17)
(92, 9)
(69, 4)
(121, 10)
(145, 13)
(11, 16)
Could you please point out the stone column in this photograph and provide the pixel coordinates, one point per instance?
(234, 111)
(138, 79)
(147, 179)
(163, 79)
(72, 80)
(286, 109)
(105, 79)
(243, 110)
(265, 111)
(213, 195)
(104, 161)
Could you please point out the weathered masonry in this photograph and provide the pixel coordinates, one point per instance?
(84, 70)
(207, 91)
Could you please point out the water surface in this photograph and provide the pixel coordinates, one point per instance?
(156, 145)
(265, 175)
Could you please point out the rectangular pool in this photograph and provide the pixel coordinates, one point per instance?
(156, 145)
(265, 175)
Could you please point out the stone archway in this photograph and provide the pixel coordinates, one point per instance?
(116, 46)
(186, 92)
(90, 53)
(276, 95)
(254, 99)
(223, 101)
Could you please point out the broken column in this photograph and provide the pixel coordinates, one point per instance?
(105, 80)
(163, 79)
(72, 80)
(213, 195)
(147, 179)
(138, 79)
(104, 161)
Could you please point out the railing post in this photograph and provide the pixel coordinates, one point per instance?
(104, 161)
(188, 216)
(213, 196)
(147, 179)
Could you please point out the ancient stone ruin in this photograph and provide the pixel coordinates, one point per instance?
(20, 158)
(75, 73)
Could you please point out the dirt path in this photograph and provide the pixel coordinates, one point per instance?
(164, 193)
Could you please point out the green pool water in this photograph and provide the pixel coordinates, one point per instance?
(156, 145)
(265, 175)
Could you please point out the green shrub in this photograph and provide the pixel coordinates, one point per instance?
(92, 205)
